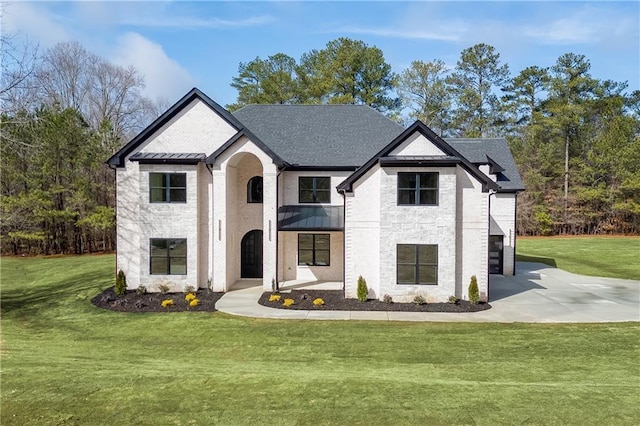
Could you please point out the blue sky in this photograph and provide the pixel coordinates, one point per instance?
(177, 45)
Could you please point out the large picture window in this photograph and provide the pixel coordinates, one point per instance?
(417, 264)
(313, 249)
(168, 187)
(417, 189)
(314, 189)
(168, 256)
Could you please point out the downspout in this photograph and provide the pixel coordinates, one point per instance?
(515, 232)
(344, 241)
(209, 167)
(277, 286)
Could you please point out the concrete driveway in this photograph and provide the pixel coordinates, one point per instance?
(540, 293)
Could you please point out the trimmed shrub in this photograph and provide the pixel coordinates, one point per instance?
(141, 290)
(189, 289)
(474, 294)
(363, 291)
(453, 300)
(121, 283)
(419, 300)
(387, 299)
(318, 302)
(164, 288)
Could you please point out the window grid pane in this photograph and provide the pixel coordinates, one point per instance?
(314, 249)
(417, 264)
(167, 187)
(168, 256)
(418, 188)
(314, 189)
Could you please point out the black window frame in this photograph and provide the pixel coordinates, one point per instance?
(314, 190)
(417, 263)
(314, 250)
(168, 242)
(167, 187)
(417, 190)
(255, 190)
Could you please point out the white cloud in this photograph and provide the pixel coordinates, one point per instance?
(585, 26)
(164, 77)
(407, 33)
(33, 21)
(186, 22)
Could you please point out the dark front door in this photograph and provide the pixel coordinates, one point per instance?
(251, 255)
(495, 254)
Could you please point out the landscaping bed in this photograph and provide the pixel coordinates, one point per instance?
(152, 302)
(334, 300)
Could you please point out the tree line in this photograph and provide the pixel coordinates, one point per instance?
(65, 110)
(575, 138)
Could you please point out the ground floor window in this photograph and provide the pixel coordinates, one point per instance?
(313, 249)
(168, 256)
(417, 264)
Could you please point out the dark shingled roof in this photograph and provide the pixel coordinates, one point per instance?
(482, 151)
(320, 135)
(311, 218)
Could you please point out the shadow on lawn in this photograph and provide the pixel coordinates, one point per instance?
(19, 302)
(536, 259)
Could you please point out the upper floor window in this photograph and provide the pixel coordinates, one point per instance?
(314, 189)
(254, 190)
(168, 256)
(417, 264)
(418, 189)
(168, 187)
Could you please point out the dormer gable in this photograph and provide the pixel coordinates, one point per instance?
(418, 143)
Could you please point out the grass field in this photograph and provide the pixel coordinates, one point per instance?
(64, 361)
(602, 256)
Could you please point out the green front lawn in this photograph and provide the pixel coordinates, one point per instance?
(601, 256)
(64, 361)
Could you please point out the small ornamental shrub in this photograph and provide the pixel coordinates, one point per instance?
(474, 294)
(141, 290)
(194, 302)
(166, 302)
(189, 297)
(121, 283)
(164, 288)
(453, 300)
(318, 302)
(419, 300)
(387, 299)
(274, 298)
(189, 289)
(363, 291)
(288, 302)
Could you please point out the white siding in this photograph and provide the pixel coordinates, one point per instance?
(417, 144)
(290, 185)
(197, 129)
(169, 220)
(362, 234)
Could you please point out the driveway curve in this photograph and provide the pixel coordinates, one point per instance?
(538, 293)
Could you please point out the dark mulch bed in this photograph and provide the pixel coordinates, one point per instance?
(151, 302)
(335, 301)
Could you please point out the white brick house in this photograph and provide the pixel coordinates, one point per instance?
(305, 193)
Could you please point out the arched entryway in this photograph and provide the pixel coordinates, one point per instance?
(251, 255)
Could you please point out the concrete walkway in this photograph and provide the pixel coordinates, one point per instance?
(537, 294)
